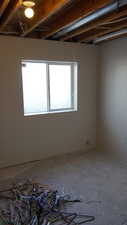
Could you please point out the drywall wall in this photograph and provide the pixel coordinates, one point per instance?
(34, 137)
(112, 117)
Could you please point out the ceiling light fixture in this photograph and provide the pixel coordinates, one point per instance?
(29, 11)
(29, 3)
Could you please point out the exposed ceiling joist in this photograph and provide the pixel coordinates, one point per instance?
(3, 5)
(80, 9)
(104, 32)
(111, 36)
(114, 6)
(95, 24)
(45, 10)
(10, 11)
(89, 21)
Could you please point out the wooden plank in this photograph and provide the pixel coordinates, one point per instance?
(3, 5)
(45, 10)
(80, 9)
(101, 33)
(10, 11)
(94, 24)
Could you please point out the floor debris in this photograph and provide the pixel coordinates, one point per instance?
(30, 203)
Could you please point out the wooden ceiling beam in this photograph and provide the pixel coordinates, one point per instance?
(97, 23)
(10, 11)
(111, 36)
(79, 9)
(45, 10)
(3, 6)
(102, 33)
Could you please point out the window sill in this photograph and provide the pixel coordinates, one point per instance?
(51, 112)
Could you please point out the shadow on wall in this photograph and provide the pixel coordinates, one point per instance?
(112, 116)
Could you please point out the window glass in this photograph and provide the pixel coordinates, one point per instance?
(34, 87)
(60, 86)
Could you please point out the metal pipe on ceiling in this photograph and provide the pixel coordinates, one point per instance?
(110, 36)
(115, 5)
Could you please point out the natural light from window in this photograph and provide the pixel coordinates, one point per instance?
(49, 87)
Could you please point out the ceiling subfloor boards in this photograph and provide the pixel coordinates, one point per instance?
(3, 6)
(9, 12)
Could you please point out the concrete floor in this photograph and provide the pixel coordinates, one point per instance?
(99, 180)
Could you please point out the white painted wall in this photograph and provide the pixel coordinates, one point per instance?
(112, 117)
(28, 138)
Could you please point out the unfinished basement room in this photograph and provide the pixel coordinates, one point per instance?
(63, 114)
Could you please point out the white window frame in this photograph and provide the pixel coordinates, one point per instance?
(74, 84)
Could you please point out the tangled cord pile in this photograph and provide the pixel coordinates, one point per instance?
(34, 204)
